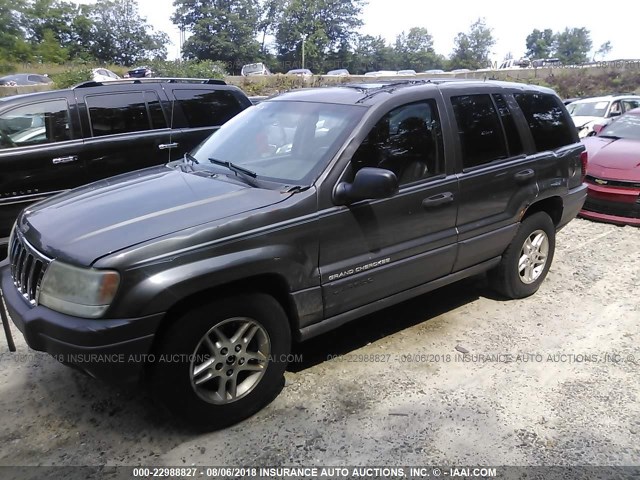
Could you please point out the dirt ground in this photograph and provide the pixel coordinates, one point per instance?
(455, 377)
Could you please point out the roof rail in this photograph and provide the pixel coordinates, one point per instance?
(373, 88)
(390, 86)
(127, 81)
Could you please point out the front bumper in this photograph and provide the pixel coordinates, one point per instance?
(572, 204)
(114, 350)
(611, 204)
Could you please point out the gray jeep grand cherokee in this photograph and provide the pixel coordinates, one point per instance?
(300, 214)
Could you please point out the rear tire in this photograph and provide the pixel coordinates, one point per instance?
(527, 259)
(222, 362)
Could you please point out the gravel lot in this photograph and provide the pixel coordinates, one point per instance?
(572, 397)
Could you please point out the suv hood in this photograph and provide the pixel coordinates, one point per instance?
(103, 217)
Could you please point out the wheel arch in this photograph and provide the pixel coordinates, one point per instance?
(552, 206)
(270, 284)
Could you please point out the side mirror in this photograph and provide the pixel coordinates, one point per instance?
(615, 114)
(369, 183)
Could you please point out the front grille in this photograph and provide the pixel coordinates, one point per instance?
(613, 183)
(27, 267)
(619, 209)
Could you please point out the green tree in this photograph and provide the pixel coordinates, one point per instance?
(49, 21)
(540, 43)
(119, 35)
(415, 51)
(269, 19)
(472, 49)
(342, 58)
(573, 46)
(372, 53)
(10, 29)
(603, 51)
(50, 50)
(222, 30)
(327, 26)
(82, 34)
(52, 16)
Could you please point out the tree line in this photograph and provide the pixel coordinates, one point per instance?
(57, 31)
(237, 32)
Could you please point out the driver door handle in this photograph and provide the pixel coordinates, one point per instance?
(437, 200)
(524, 175)
(69, 159)
(167, 146)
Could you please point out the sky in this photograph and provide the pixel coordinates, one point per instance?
(511, 21)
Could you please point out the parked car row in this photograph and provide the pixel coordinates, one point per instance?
(590, 115)
(613, 174)
(609, 126)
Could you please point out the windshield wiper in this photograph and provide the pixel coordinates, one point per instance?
(188, 161)
(190, 158)
(296, 188)
(613, 137)
(244, 173)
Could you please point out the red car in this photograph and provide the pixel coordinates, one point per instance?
(613, 173)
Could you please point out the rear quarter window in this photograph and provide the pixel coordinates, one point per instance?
(551, 127)
(205, 108)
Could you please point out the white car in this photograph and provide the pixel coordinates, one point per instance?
(103, 75)
(300, 72)
(341, 72)
(589, 112)
(254, 69)
(382, 73)
(513, 64)
(406, 72)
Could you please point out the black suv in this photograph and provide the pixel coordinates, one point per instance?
(56, 140)
(300, 214)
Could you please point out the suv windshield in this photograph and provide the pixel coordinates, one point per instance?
(588, 109)
(287, 142)
(627, 126)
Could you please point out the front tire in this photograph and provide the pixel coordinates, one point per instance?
(526, 261)
(222, 362)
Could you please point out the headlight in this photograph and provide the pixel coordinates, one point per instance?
(81, 292)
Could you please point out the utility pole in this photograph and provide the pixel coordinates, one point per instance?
(304, 37)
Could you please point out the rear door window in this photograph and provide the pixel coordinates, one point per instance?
(479, 128)
(206, 108)
(124, 112)
(550, 126)
(38, 123)
(514, 141)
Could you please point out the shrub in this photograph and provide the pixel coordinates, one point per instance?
(6, 68)
(71, 76)
(188, 69)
